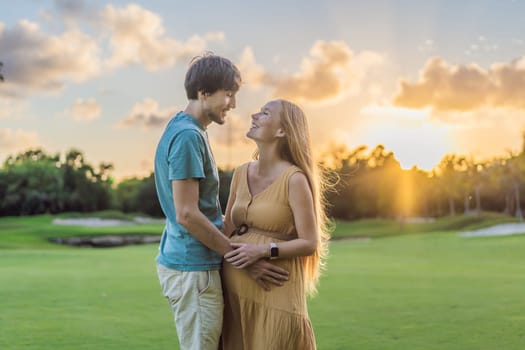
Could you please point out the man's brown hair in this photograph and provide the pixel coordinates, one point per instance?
(210, 73)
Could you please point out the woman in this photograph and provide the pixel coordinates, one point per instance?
(275, 210)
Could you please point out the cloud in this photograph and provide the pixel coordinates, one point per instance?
(70, 11)
(147, 114)
(36, 61)
(445, 87)
(427, 46)
(322, 74)
(12, 109)
(330, 71)
(517, 42)
(138, 36)
(481, 46)
(253, 74)
(85, 110)
(13, 141)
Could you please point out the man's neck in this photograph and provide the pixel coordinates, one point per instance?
(195, 110)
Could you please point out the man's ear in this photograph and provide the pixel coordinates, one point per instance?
(201, 95)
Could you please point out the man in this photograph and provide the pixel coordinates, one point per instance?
(187, 182)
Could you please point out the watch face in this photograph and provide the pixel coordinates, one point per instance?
(274, 252)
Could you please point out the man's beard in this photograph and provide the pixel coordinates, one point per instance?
(215, 118)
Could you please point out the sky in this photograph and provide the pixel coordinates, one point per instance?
(423, 78)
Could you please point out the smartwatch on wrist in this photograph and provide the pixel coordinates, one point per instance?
(274, 251)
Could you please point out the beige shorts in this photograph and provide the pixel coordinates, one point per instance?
(195, 297)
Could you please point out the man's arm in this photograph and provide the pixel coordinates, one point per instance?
(186, 198)
(227, 224)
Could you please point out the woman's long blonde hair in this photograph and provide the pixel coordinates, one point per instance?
(296, 148)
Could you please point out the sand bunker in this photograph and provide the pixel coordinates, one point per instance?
(497, 230)
(106, 240)
(97, 222)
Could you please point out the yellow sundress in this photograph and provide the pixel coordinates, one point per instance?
(255, 319)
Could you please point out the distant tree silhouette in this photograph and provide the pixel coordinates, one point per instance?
(34, 182)
(1, 76)
(366, 184)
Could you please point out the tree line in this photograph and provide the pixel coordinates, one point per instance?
(35, 182)
(364, 184)
(373, 184)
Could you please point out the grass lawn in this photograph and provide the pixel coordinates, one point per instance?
(418, 291)
(423, 292)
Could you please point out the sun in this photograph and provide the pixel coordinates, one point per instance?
(413, 137)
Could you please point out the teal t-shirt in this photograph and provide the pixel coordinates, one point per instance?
(184, 152)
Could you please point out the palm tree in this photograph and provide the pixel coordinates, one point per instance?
(512, 169)
(476, 174)
(450, 170)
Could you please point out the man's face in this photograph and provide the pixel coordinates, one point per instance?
(218, 104)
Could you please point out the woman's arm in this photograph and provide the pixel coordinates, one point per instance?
(301, 202)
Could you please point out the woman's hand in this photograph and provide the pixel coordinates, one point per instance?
(246, 254)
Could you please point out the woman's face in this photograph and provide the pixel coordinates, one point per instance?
(266, 124)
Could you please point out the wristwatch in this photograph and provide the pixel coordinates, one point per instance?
(274, 251)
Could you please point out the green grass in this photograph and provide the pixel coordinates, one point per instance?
(417, 291)
(82, 299)
(423, 292)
